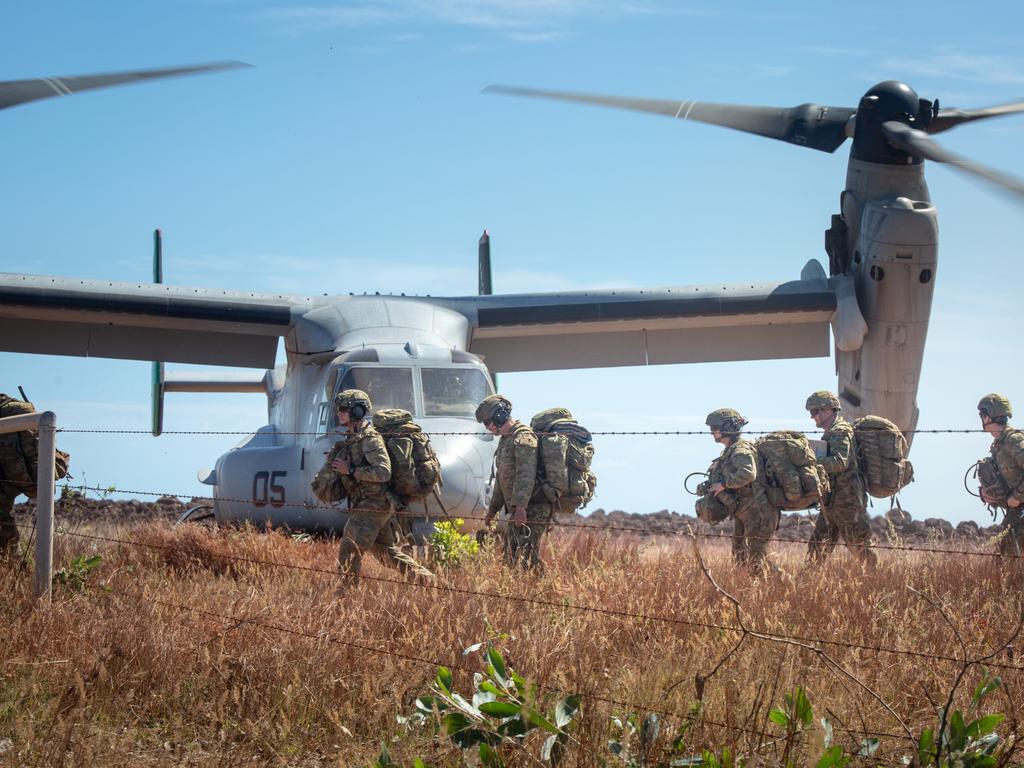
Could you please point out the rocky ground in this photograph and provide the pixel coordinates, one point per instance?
(895, 523)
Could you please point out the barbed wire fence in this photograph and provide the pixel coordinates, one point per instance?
(536, 600)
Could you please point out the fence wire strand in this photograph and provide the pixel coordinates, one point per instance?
(539, 601)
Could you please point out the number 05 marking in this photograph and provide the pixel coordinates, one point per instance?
(265, 487)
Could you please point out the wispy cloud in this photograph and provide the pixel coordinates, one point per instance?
(955, 65)
(529, 21)
(764, 71)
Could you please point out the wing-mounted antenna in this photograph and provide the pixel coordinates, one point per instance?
(158, 368)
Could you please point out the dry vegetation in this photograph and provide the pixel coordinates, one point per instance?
(182, 651)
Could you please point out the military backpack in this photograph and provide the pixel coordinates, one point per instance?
(794, 479)
(19, 451)
(415, 468)
(991, 481)
(882, 452)
(565, 452)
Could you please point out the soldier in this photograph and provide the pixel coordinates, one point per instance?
(736, 481)
(516, 488)
(361, 461)
(18, 467)
(1008, 453)
(845, 513)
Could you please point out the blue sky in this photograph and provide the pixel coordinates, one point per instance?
(359, 155)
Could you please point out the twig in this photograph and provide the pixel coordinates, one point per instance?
(829, 661)
(966, 664)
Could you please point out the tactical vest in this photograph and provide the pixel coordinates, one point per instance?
(565, 452)
(415, 468)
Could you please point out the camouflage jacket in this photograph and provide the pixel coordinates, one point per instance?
(371, 467)
(840, 461)
(515, 469)
(741, 470)
(1008, 453)
(19, 451)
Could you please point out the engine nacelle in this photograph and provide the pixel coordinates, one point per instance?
(893, 263)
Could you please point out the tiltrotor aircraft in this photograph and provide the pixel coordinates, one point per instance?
(435, 356)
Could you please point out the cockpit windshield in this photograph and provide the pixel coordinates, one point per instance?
(387, 387)
(453, 392)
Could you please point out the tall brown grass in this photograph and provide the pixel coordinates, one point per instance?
(177, 651)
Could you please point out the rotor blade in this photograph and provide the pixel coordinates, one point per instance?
(15, 92)
(951, 118)
(920, 144)
(808, 125)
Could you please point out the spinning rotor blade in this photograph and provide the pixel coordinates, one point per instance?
(15, 92)
(808, 125)
(920, 144)
(951, 118)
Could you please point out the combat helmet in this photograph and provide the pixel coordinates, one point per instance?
(494, 408)
(726, 420)
(995, 406)
(355, 401)
(823, 399)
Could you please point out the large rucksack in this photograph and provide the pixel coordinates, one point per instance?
(19, 451)
(565, 451)
(794, 479)
(415, 469)
(882, 451)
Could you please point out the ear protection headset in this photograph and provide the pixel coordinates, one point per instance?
(357, 412)
(500, 415)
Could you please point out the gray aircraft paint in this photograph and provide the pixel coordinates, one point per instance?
(266, 477)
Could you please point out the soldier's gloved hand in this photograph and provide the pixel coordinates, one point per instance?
(519, 516)
(341, 466)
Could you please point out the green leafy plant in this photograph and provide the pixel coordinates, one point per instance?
(497, 717)
(75, 574)
(449, 545)
(956, 742)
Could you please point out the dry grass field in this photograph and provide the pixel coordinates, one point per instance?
(189, 647)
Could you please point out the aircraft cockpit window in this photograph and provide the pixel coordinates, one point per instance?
(453, 392)
(387, 387)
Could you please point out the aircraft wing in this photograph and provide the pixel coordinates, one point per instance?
(597, 329)
(143, 321)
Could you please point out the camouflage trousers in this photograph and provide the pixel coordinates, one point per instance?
(370, 530)
(523, 542)
(1011, 543)
(845, 518)
(752, 532)
(8, 530)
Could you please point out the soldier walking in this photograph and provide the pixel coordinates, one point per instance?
(1008, 454)
(736, 481)
(19, 458)
(844, 514)
(516, 488)
(362, 464)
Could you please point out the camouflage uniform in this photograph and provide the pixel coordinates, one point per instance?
(371, 521)
(844, 514)
(515, 463)
(1008, 453)
(741, 471)
(18, 464)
